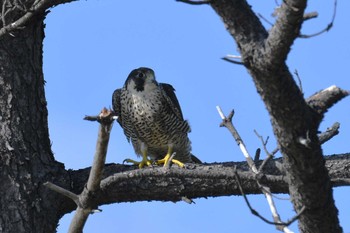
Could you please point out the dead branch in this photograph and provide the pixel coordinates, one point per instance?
(230, 58)
(329, 133)
(85, 201)
(38, 7)
(328, 27)
(194, 2)
(299, 81)
(269, 155)
(323, 100)
(227, 122)
(280, 225)
(310, 15)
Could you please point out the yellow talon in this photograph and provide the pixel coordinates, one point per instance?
(143, 162)
(166, 159)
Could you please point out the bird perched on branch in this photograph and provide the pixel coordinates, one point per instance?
(151, 118)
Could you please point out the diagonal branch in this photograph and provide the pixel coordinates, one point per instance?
(285, 30)
(85, 201)
(325, 99)
(93, 183)
(329, 133)
(227, 122)
(38, 7)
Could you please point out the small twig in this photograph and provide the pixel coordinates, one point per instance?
(263, 18)
(310, 15)
(230, 58)
(269, 155)
(329, 26)
(39, 6)
(188, 200)
(3, 12)
(299, 81)
(256, 213)
(227, 122)
(105, 117)
(194, 2)
(63, 191)
(329, 133)
(257, 155)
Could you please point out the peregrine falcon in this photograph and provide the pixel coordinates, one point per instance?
(151, 118)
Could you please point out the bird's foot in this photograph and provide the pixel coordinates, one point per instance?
(166, 161)
(141, 164)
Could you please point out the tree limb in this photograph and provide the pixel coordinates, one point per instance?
(329, 133)
(325, 99)
(85, 201)
(285, 30)
(227, 122)
(38, 7)
(125, 183)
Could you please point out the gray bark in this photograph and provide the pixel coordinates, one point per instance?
(26, 160)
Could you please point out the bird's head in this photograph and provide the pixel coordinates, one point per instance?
(141, 79)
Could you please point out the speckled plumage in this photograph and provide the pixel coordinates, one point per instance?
(150, 116)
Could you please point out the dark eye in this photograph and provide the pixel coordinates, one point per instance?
(140, 75)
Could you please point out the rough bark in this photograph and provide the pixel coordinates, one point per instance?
(122, 183)
(294, 122)
(26, 160)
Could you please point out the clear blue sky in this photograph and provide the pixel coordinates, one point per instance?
(90, 48)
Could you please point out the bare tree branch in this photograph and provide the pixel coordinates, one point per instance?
(282, 226)
(230, 58)
(329, 26)
(93, 183)
(227, 122)
(329, 133)
(63, 191)
(125, 183)
(323, 100)
(195, 2)
(310, 15)
(285, 30)
(38, 7)
(85, 201)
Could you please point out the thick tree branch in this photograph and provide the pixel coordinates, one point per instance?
(294, 123)
(284, 31)
(243, 25)
(325, 99)
(124, 183)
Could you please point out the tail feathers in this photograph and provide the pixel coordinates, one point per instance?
(195, 159)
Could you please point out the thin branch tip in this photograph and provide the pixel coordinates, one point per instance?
(204, 2)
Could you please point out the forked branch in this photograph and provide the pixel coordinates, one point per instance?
(85, 201)
(280, 225)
